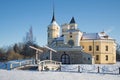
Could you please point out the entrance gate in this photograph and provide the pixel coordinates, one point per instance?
(65, 59)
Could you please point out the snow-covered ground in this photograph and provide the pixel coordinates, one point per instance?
(35, 75)
(68, 72)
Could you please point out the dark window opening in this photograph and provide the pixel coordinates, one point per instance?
(83, 47)
(46, 57)
(97, 48)
(106, 57)
(90, 48)
(106, 48)
(88, 58)
(97, 57)
(70, 36)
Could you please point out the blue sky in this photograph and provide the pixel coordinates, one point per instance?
(16, 17)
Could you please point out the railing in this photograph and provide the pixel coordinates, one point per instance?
(49, 62)
(15, 64)
(91, 69)
(49, 65)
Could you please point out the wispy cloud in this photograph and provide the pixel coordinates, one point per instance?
(110, 29)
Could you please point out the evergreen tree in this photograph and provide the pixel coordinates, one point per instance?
(16, 48)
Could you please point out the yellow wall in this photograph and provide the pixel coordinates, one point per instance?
(102, 50)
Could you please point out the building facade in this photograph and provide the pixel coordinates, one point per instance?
(101, 46)
(75, 47)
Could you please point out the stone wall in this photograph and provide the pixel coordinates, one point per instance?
(75, 57)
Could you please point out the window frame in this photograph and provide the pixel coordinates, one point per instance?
(106, 57)
(106, 48)
(97, 48)
(90, 48)
(97, 57)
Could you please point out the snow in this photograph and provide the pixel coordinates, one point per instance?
(2, 65)
(35, 75)
(90, 36)
(15, 63)
(85, 68)
(54, 23)
(103, 34)
(68, 72)
(60, 39)
(95, 36)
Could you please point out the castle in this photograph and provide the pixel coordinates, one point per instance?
(76, 47)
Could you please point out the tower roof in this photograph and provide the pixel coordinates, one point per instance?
(72, 20)
(53, 18)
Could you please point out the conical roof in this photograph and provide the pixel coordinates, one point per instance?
(53, 18)
(72, 20)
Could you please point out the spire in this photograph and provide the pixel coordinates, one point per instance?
(53, 18)
(72, 20)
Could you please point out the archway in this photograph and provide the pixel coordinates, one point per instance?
(65, 58)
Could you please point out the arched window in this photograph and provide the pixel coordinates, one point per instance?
(71, 42)
(65, 59)
(70, 36)
(106, 57)
(97, 48)
(106, 48)
(90, 48)
(97, 57)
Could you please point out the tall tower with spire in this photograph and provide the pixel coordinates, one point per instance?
(53, 29)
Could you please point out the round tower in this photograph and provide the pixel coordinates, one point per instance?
(53, 30)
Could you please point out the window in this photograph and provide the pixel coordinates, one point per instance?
(88, 58)
(97, 48)
(83, 47)
(106, 48)
(97, 57)
(70, 36)
(46, 57)
(48, 35)
(106, 57)
(90, 48)
(71, 43)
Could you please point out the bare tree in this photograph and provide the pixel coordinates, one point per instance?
(29, 37)
(29, 41)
